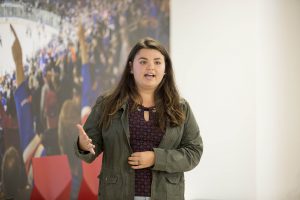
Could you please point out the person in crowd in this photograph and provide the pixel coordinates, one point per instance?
(67, 133)
(16, 187)
(147, 133)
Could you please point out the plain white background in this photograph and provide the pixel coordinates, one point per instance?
(238, 64)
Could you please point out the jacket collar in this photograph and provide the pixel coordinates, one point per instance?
(124, 106)
(124, 121)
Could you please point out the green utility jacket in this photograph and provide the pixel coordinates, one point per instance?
(180, 150)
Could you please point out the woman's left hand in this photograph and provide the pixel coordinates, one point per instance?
(141, 160)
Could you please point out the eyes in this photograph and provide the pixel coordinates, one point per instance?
(145, 62)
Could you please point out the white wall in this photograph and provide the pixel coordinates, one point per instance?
(237, 62)
(213, 50)
(278, 110)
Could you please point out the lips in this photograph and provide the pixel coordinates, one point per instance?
(150, 75)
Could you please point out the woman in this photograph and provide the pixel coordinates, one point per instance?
(147, 134)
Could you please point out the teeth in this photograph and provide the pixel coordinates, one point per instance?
(149, 75)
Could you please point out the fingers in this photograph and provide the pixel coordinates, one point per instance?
(92, 150)
(85, 143)
(140, 160)
(16, 45)
(133, 160)
(14, 32)
(135, 163)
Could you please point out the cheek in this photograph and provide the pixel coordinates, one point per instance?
(136, 68)
(137, 72)
(162, 70)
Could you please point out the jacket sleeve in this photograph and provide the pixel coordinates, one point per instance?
(188, 154)
(94, 132)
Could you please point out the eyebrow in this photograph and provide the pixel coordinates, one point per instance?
(147, 58)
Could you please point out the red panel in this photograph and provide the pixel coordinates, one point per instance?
(90, 182)
(51, 177)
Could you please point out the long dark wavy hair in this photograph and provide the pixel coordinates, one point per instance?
(166, 96)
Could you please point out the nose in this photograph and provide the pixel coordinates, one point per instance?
(150, 65)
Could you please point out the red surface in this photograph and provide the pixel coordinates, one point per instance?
(52, 178)
(90, 182)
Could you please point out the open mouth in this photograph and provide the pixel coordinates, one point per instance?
(149, 75)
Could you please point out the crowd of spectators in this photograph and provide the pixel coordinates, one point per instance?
(54, 72)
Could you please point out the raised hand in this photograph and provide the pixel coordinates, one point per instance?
(18, 57)
(80, 32)
(83, 46)
(85, 143)
(140, 160)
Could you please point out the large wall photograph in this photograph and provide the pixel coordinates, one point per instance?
(56, 58)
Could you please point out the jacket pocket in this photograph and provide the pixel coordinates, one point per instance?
(111, 179)
(173, 179)
(175, 186)
(109, 184)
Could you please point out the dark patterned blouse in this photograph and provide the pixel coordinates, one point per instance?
(144, 136)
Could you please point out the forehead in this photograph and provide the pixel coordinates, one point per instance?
(149, 54)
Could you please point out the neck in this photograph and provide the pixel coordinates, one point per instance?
(148, 98)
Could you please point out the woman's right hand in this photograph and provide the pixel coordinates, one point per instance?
(84, 142)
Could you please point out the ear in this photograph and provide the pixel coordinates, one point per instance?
(131, 67)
